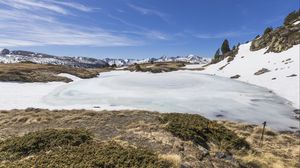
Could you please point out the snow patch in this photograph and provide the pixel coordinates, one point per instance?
(281, 66)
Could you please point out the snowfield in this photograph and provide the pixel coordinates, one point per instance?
(181, 91)
(283, 77)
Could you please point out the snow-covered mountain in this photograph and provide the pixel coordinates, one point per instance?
(276, 71)
(271, 61)
(7, 56)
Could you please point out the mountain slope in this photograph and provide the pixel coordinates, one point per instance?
(276, 71)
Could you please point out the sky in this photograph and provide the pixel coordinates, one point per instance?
(135, 28)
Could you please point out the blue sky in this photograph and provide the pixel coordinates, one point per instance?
(135, 28)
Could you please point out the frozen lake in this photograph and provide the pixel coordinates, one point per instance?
(181, 91)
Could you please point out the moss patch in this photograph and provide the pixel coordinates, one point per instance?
(73, 148)
(202, 131)
(35, 142)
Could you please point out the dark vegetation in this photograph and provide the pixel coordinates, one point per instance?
(69, 148)
(226, 52)
(202, 131)
(292, 17)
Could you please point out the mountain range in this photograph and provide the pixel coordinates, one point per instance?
(18, 56)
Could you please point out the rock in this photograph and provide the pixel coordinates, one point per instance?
(293, 75)
(261, 71)
(278, 40)
(273, 78)
(235, 76)
(297, 111)
(224, 155)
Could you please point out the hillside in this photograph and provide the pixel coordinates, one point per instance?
(270, 61)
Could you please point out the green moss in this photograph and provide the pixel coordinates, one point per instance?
(202, 131)
(73, 148)
(109, 155)
(35, 142)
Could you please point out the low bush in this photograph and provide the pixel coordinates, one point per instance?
(35, 142)
(73, 148)
(202, 131)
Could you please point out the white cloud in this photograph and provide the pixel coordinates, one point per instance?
(50, 5)
(24, 23)
(146, 11)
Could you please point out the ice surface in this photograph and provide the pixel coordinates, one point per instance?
(182, 91)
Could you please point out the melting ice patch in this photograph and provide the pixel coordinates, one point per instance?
(181, 91)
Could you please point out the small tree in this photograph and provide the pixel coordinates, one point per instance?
(225, 47)
(234, 47)
(291, 17)
(268, 30)
(217, 53)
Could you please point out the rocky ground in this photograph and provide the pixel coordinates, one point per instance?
(161, 140)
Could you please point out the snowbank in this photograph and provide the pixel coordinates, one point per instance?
(283, 77)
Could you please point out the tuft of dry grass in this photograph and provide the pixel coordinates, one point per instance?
(175, 159)
(279, 150)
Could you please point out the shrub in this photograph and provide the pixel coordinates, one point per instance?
(268, 30)
(42, 140)
(291, 17)
(225, 47)
(73, 148)
(202, 131)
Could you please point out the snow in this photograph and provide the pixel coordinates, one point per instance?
(297, 22)
(281, 65)
(181, 91)
(193, 66)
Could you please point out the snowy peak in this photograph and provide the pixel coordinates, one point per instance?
(17, 56)
(7, 56)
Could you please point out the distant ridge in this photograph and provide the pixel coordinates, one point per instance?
(18, 56)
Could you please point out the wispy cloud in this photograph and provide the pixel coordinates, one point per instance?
(142, 31)
(50, 5)
(223, 34)
(147, 11)
(29, 23)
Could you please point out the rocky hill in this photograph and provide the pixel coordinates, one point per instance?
(280, 39)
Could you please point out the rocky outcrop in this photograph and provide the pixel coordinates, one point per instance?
(280, 39)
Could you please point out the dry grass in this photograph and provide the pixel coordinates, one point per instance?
(30, 72)
(279, 150)
(157, 67)
(138, 129)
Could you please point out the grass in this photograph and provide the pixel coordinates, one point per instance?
(157, 67)
(30, 72)
(36, 142)
(157, 138)
(279, 150)
(202, 131)
(74, 148)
